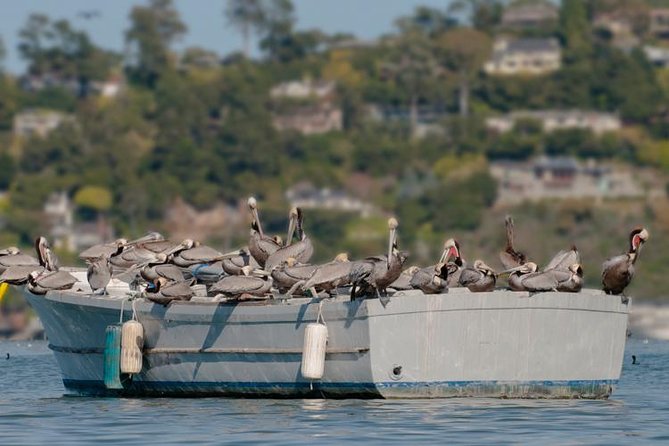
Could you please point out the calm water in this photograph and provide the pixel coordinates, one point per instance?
(33, 410)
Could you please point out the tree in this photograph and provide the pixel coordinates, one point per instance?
(429, 21)
(575, 29)
(248, 16)
(153, 30)
(3, 53)
(463, 51)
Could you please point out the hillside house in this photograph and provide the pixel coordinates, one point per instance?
(310, 120)
(659, 21)
(524, 56)
(38, 122)
(304, 89)
(305, 196)
(552, 120)
(530, 15)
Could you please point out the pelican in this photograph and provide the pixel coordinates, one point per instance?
(289, 272)
(564, 259)
(517, 274)
(454, 262)
(479, 277)
(261, 246)
(190, 253)
(431, 280)
(511, 258)
(234, 265)
(18, 274)
(403, 282)
(207, 273)
(14, 257)
(569, 280)
(164, 291)
(380, 271)
(99, 274)
(253, 283)
(95, 252)
(327, 277)
(10, 251)
(45, 281)
(159, 267)
(300, 251)
(618, 271)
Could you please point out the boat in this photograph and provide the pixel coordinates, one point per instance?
(502, 344)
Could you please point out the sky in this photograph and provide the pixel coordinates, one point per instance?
(366, 19)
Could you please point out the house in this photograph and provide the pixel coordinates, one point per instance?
(559, 178)
(310, 119)
(658, 56)
(529, 15)
(524, 56)
(659, 21)
(619, 26)
(67, 235)
(38, 122)
(551, 120)
(304, 89)
(35, 82)
(305, 196)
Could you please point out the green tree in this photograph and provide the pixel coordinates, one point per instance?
(463, 51)
(153, 30)
(575, 29)
(248, 16)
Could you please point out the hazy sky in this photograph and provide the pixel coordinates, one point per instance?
(206, 25)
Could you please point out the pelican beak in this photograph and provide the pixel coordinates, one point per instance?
(257, 219)
(391, 243)
(512, 270)
(231, 254)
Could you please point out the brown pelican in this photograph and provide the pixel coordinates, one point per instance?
(234, 265)
(45, 257)
(618, 271)
(164, 291)
(190, 253)
(432, 279)
(45, 281)
(327, 277)
(300, 251)
(159, 267)
(99, 274)
(95, 252)
(379, 272)
(454, 262)
(18, 274)
(569, 280)
(479, 277)
(403, 282)
(261, 246)
(564, 259)
(10, 251)
(516, 275)
(253, 283)
(510, 257)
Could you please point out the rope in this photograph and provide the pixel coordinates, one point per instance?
(320, 319)
(120, 317)
(134, 311)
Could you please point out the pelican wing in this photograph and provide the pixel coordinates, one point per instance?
(98, 251)
(262, 247)
(235, 264)
(170, 272)
(564, 259)
(235, 285)
(158, 246)
(19, 273)
(300, 251)
(56, 280)
(99, 274)
(177, 290)
(18, 259)
(469, 276)
(202, 253)
(545, 281)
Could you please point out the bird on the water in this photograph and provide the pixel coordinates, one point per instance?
(618, 271)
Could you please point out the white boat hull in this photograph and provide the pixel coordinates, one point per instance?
(498, 344)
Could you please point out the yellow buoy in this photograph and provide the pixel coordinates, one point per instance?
(3, 289)
(132, 343)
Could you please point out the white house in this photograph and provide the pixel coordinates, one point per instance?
(551, 120)
(524, 56)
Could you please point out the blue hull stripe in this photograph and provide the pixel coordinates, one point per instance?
(177, 387)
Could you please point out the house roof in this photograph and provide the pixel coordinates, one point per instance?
(532, 45)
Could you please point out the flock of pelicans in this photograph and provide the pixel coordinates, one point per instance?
(171, 269)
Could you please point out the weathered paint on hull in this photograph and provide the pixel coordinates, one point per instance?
(459, 344)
